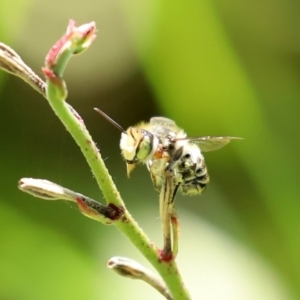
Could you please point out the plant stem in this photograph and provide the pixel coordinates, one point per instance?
(55, 94)
(74, 124)
(167, 270)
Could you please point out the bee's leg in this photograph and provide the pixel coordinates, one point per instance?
(166, 199)
(174, 221)
(175, 229)
(155, 183)
(165, 222)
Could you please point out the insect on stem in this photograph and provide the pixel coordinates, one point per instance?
(175, 162)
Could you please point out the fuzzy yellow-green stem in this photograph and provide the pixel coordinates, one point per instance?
(75, 41)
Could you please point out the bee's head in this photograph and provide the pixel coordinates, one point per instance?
(137, 145)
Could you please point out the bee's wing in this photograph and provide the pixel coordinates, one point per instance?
(163, 126)
(212, 143)
(161, 121)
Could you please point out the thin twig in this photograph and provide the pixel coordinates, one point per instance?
(48, 190)
(12, 63)
(131, 269)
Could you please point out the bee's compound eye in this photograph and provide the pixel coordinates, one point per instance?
(144, 149)
(145, 146)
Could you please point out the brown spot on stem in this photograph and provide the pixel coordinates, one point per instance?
(115, 212)
(165, 257)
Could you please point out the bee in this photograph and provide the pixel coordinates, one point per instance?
(185, 159)
(164, 147)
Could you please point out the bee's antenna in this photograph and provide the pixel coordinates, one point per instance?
(109, 119)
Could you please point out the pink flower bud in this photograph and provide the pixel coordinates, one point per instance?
(75, 40)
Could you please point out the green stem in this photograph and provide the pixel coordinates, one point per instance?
(167, 270)
(74, 124)
(55, 94)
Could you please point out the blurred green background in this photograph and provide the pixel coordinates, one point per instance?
(217, 68)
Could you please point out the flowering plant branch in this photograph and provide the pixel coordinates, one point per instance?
(75, 41)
